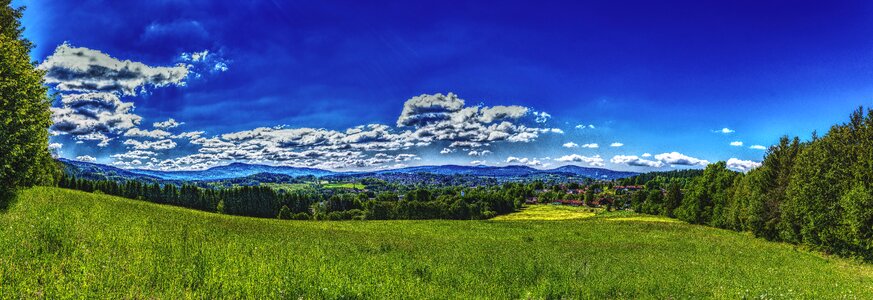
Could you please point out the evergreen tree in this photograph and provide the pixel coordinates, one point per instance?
(24, 111)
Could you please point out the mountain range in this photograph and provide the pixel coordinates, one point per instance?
(238, 170)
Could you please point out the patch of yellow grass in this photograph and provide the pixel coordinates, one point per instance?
(548, 212)
(645, 219)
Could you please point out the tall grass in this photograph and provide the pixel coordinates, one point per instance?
(57, 243)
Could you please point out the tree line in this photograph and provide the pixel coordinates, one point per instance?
(816, 193)
(461, 203)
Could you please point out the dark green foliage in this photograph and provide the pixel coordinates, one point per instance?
(264, 202)
(816, 194)
(24, 111)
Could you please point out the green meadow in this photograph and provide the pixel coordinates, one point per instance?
(57, 243)
(345, 186)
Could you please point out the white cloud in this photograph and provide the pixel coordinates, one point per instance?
(725, 130)
(202, 62)
(94, 136)
(679, 159)
(757, 147)
(479, 153)
(737, 143)
(171, 123)
(616, 144)
(151, 145)
(424, 109)
(583, 126)
(191, 135)
(135, 154)
(742, 165)
(426, 120)
(542, 117)
(591, 146)
(647, 154)
(86, 158)
(570, 145)
(86, 70)
(633, 160)
(526, 161)
(477, 162)
(55, 146)
(155, 134)
(88, 113)
(595, 161)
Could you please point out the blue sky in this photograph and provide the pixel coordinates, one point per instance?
(657, 78)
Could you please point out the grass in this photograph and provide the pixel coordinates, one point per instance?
(57, 243)
(549, 212)
(348, 185)
(290, 187)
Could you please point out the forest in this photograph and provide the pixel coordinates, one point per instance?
(462, 203)
(815, 193)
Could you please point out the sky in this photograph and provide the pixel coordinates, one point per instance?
(352, 85)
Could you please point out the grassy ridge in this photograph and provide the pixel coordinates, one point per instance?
(57, 243)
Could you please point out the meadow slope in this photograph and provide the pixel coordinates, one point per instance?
(58, 243)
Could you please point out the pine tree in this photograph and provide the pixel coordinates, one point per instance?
(24, 111)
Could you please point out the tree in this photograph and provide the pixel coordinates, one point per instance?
(284, 213)
(672, 199)
(24, 111)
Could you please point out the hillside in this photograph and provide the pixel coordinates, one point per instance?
(58, 243)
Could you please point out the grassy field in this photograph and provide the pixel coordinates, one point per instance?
(290, 187)
(345, 186)
(64, 244)
(549, 212)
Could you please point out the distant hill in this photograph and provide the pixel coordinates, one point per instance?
(234, 170)
(241, 170)
(92, 171)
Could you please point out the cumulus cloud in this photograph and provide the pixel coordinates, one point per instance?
(542, 117)
(583, 126)
(426, 120)
(151, 145)
(203, 62)
(679, 159)
(525, 161)
(742, 165)
(94, 136)
(424, 109)
(86, 158)
(91, 83)
(479, 152)
(595, 161)
(155, 134)
(135, 154)
(724, 130)
(87, 113)
(633, 160)
(646, 154)
(616, 145)
(737, 143)
(757, 147)
(570, 145)
(171, 123)
(591, 146)
(85, 70)
(191, 135)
